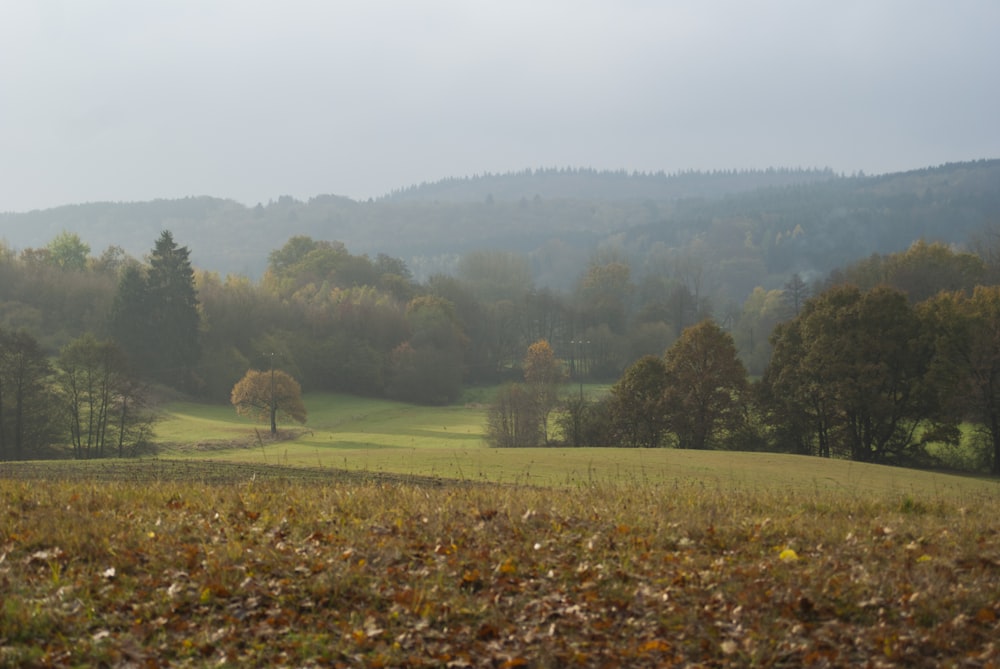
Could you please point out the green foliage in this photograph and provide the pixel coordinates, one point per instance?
(812, 224)
(29, 408)
(67, 251)
(920, 272)
(761, 313)
(605, 292)
(173, 311)
(104, 402)
(155, 315)
(589, 422)
(849, 375)
(427, 368)
(639, 403)
(706, 386)
(53, 304)
(495, 275)
(347, 322)
(966, 369)
(303, 261)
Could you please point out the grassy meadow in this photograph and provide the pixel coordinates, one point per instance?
(376, 436)
(385, 535)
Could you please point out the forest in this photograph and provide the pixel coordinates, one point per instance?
(742, 228)
(713, 322)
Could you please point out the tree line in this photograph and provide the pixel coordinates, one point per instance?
(338, 321)
(746, 229)
(863, 374)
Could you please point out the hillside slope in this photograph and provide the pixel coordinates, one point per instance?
(805, 221)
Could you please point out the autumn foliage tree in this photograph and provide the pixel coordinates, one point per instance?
(544, 374)
(267, 395)
(519, 416)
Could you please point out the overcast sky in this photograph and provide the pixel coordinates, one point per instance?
(250, 100)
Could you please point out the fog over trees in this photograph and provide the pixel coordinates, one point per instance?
(680, 298)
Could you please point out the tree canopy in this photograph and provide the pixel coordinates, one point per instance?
(707, 384)
(853, 366)
(155, 316)
(268, 395)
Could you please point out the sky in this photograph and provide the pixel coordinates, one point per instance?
(122, 100)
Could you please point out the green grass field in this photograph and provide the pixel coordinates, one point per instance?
(345, 544)
(376, 436)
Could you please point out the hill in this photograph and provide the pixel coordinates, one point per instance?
(746, 228)
(589, 184)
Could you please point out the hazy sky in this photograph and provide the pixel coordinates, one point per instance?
(248, 99)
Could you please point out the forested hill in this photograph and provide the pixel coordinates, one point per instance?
(812, 229)
(743, 235)
(589, 184)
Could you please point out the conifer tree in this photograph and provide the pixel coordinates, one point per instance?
(155, 317)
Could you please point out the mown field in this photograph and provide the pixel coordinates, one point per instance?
(235, 552)
(374, 436)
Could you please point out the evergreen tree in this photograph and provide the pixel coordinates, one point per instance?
(130, 324)
(155, 316)
(174, 317)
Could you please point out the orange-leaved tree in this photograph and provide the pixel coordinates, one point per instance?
(543, 373)
(265, 395)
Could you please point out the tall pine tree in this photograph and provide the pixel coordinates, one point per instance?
(155, 316)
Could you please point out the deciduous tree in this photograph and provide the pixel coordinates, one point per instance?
(104, 400)
(966, 368)
(68, 251)
(266, 395)
(854, 366)
(29, 411)
(544, 374)
(427, 368)
(512, 419)
(707, 384)
(639, 403)
(605, 294)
